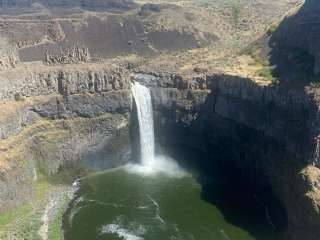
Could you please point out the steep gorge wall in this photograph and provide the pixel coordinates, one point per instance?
(296, 40)
(61, 116)
(53, 120)
(268, 133)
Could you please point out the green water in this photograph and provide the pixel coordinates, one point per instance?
(123, 205)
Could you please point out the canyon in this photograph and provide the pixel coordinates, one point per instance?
(60, 120)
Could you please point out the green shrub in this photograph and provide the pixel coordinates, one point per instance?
(236, 13)
(272, 28)
(18, 97)
(265, 72)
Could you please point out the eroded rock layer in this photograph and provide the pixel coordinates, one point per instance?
(51, 121)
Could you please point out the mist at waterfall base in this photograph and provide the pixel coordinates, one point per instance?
(151, 200)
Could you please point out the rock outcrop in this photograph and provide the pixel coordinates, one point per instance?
(76, 54)
(8, 55)
(69, 80)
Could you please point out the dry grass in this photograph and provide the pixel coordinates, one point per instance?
(10, 108)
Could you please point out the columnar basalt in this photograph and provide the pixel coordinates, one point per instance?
(69, 80)
(8, 55)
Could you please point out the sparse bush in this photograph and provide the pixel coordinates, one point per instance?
(120, 20)
(255, 53)
(265, 72)
(236, 13)
(18, 97)
(200, 70)
(204, 3)
(272, 28)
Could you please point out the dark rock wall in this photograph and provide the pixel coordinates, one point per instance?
(267, 133)
(297, 37)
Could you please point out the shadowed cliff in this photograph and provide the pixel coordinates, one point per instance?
(263, 138)
(293, 47)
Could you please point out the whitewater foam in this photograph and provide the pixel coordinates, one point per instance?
(120, 232)
(161, 165)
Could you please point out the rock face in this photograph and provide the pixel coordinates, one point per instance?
(298, 35)
(8, 55)
(75, 54)
(77, 79)
(63, 118)
(269, 134)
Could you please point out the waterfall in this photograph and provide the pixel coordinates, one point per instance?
(143, 101)
(150, 163)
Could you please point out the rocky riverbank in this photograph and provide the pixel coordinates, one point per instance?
(41, 217)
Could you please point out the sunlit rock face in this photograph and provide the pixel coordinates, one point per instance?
(63, 120)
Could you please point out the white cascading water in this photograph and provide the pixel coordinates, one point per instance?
(149, 162)
(143, 101)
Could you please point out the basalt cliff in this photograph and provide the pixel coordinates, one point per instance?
(58, 119)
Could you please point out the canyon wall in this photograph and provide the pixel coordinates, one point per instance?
(295, 42)
(269, 134)
(53, 121)
(56, 120)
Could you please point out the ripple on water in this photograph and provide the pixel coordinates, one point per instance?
(124, 205)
